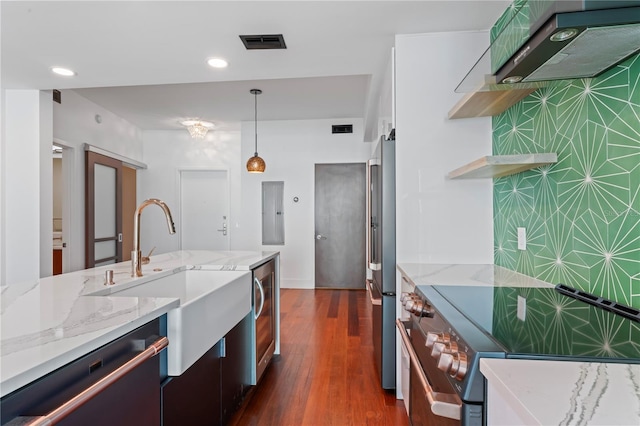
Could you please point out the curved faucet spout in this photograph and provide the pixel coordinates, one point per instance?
(136, 254)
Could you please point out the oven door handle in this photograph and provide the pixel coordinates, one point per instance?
(442, 404)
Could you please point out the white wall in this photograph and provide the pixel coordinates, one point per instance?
(438, 220)
(21, 203)
(168, 152)
(291, 149)
(74, 124)
(31, 121)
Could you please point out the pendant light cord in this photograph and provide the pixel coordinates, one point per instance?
(255, 96)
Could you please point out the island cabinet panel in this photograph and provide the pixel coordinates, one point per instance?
(134, 399)
(236, 367)
(213, 388)
(193, 398)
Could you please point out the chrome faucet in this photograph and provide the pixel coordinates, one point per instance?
(136, 254)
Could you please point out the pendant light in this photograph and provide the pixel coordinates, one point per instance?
(255, 163)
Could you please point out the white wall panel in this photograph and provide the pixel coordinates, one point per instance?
(21, 262)
(439, 221)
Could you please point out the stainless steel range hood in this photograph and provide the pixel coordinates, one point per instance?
(557, 40)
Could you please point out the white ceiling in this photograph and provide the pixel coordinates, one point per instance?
(146, 61)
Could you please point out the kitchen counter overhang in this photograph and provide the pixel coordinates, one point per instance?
(55, 320)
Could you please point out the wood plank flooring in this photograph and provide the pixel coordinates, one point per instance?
(325, 374)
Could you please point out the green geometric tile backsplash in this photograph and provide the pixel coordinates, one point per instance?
(582, 214)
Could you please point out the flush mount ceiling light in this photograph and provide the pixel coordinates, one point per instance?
(65, 72)
(197, 128)
(255, 163)
(217, 63)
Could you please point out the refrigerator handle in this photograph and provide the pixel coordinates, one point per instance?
(368, 202)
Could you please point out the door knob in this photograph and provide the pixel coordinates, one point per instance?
(320, 237)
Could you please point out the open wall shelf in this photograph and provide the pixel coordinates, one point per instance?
(496, 166)
(487, 103)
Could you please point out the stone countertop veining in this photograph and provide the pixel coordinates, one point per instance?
(55, 320)
(466, 274)
(566, 392)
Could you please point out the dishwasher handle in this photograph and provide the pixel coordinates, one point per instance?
(86, 395)
(442, 404)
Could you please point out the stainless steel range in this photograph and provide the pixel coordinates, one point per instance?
(451, 327)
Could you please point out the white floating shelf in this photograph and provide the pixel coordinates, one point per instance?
(496, 166)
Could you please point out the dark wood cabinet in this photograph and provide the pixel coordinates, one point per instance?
(213, 388)
(193, 398)
(235, 368)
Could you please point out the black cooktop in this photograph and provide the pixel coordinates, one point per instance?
(543, 322)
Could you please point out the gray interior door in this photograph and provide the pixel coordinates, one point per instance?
(340, 225)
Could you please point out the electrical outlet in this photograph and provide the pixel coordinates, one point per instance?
(522, 238)
(522, 308)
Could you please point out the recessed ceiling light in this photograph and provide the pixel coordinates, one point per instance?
(217, 63)
(66, 72)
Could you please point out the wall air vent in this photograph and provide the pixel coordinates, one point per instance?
(265, 41)
(57, 96)
(342, 128)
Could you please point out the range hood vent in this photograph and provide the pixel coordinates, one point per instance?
(567, 40)
(602, 39)
(265, 41)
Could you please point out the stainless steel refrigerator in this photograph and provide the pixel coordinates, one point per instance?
(381, 256)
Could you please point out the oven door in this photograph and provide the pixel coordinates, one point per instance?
(427, 406)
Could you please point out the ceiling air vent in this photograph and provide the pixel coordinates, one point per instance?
(265, 41)
(342, 128)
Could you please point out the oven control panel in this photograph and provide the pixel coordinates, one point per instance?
(445, 345)
(415, 305)
(447, 354)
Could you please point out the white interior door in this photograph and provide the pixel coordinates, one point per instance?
(204, 210)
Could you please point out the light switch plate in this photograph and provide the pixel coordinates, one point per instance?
(522, 238)
(522, 308)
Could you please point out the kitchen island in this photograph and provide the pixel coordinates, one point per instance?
(532, 392)
(51, 322)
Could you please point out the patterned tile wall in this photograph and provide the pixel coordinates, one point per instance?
(582, 214)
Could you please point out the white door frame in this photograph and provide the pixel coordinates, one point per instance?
(69, 198)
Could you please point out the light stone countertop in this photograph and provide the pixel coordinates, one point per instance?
(564, 392)
(55, 320)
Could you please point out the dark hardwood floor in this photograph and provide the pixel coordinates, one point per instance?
(325, 374)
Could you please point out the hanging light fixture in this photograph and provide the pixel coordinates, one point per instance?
(197, 128)
(255, 163)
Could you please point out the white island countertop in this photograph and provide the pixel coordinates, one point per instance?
(562, 392)
(50, 322)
